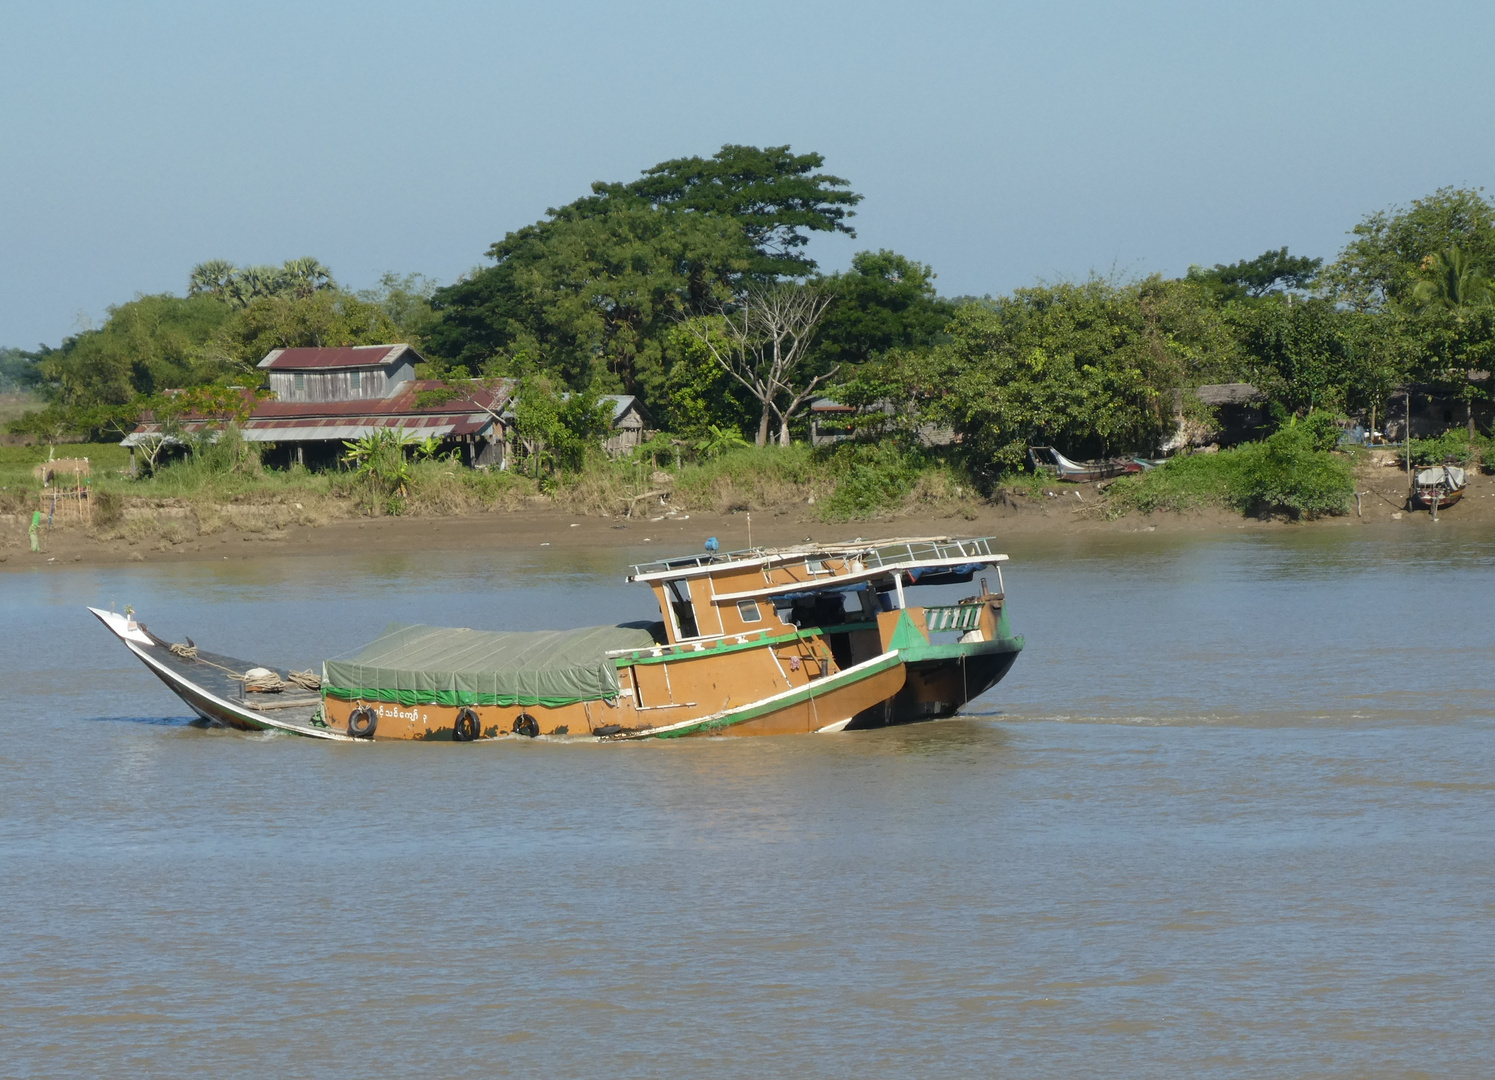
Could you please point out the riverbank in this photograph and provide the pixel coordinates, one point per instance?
(167, 530)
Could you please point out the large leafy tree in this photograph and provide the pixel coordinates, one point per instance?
(19, 371)
(1303, 354)
(1386, 260)
(1071, 364)
(885, 301)
(590, 298)
(147, 345)
(288, 320)
(591, 292)
(1271, 271)
(775, 195)
(564, 426)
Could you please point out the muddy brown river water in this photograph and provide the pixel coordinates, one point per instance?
(1230, 815)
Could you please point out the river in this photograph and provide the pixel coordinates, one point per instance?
(1230, 815)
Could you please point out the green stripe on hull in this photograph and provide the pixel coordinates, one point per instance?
(444, 697)
(917, 654)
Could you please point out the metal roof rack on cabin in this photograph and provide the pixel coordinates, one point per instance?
(873, 554)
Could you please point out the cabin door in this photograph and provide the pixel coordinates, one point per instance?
(681, 612)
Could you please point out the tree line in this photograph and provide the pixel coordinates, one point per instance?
(692, 287)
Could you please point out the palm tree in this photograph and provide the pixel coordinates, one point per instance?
(211, 278)
(305, 276)
(1456, 283)
(253, 282)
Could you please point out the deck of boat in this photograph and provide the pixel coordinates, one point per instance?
(292, 709)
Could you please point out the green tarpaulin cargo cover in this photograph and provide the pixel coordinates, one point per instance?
(432, 665)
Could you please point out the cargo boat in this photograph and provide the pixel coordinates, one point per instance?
(766, 641)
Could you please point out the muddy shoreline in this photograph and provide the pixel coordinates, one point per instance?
(1064, 510)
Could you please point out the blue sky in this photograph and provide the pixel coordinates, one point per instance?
(1002, 143)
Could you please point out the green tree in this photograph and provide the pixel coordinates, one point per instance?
(885, 301)
(775, 195)
(590, 293)
(1385, 260)
(242, 286)
(1452, 281)
(590, 298)
(1301, 354)
(406, 300)
(565, 425)
(1069, 364)
(1268, 272)
(149, 344)
(324, 317)
(19, 371)
(699, 395)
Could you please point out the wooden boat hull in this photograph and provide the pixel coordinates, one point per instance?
(1083, 472)
(941, 680)
(826, 705)
(205, 687)
(1424, 500)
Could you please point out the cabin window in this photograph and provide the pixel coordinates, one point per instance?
(685, 614)
(300, 380)
(357, 381)
(748, 611)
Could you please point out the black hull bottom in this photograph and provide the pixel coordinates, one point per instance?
(939, 688)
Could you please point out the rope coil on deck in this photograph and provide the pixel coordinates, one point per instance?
(264, 681)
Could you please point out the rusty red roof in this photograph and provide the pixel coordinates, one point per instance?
(469, 413)
(471, 396)
(342, 356)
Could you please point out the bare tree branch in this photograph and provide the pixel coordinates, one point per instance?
(762, 344)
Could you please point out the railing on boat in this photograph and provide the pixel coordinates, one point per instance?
(872, 557)
(962, 617)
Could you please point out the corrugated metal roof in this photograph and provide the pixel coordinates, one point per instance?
(296, 421)
(335, 428)
(343, 356)
(1236, 393)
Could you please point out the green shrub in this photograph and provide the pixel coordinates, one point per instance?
(1288, 473)
(871, 479)
(1455, 444)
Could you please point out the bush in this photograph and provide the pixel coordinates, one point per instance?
(1454, 444)
(1286, 473)
(872, 479)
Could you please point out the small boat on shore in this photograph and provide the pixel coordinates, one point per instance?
(809, 638)
(1083, 472)
(1438, 487)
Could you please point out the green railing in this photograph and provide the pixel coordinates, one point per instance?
(962, 617)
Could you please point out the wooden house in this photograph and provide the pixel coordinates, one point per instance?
(323, 398)
(630, 424)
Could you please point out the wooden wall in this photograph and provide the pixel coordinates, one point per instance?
(337, 385)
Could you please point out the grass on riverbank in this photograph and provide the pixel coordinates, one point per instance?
(225, 486)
